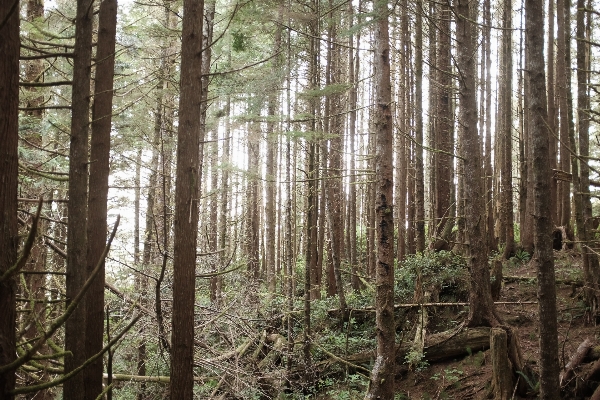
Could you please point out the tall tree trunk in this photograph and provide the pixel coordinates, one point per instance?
(334, 170)
(382, 376)
(207, 38)
(252, 214)
(353, 70)
(9, 137)
(271, 177)
(543, 257)
(552, 114)
(489, 174)
(444, 132)
(481, 306)
(75, 327)
(187, 192)
(418, 154)
(506, 121)
(224, 201)
(584, 224)
(563, 87)
(98, 193)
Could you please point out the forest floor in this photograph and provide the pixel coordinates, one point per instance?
(470, 377)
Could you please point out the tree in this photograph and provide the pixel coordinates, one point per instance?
(9, 135)
(382, 376)
(98, 192)
(187, 192)
(505, 135)
(481, 307)
(418, 155)
(78, 196)
(584, 221)
(543, 256)
(444, 135)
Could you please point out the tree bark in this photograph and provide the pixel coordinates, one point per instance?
(584, 222)
(187, 192)
(481, 310)
(543, 256)
(418, 155)
(382, 376)
(507, 215)
(98, 192)
(9, 170)
(444, 132)
(75, 327)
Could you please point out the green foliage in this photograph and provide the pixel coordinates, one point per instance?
(522, 255)
(443, 269)
(239, 42)
(417, 360)
(533, 385)
(329, 90)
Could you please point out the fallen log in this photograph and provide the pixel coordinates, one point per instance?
(438, 347)
(147, 378)
(332, 312)
(575, 361)
(278, 344)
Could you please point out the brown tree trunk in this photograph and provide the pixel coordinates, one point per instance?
(382, 376)
(564, 188)
(489, 173)
(543, 257)
(212, 233)
(252, 214)
(334, 170)
(508, 236)
(584, 223)
(224, 201)
(418, 154)
(187, 192)
(78, 190)
(271, 161)
(353, 69)
(9, 136)
(444, 131)
(98, 193)
(552, 114)
(481, 307)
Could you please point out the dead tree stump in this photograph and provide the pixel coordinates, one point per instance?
(502, 379)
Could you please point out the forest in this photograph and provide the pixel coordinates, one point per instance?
(299, 199)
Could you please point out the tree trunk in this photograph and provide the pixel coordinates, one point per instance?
(508, 237)
(502, 385)
(98, 193)
(252, 213)
(418, 154)
(487, 60)
(543, 257)
(565, 156)
(552, 114)
(224, 201)
(187, 192)
(334, 170)
(271, 161)
(481, 309)
(353, 70)
(78, 190)
(9, 171)
(382, 376)
(444, 132)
